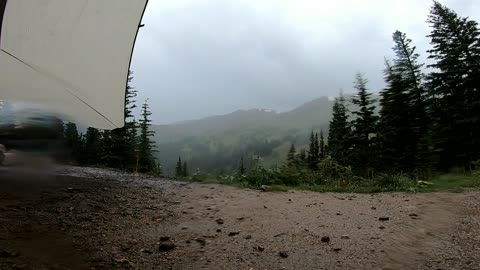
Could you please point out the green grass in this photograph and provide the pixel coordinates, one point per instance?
(279, 188)
(442, 183)
(454, 182)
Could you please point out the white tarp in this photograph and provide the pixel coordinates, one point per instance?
(71, 56)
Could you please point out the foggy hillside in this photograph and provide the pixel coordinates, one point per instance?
(224, 139)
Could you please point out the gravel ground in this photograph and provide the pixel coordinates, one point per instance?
(86, 218)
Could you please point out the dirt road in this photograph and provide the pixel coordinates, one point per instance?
(81, 218)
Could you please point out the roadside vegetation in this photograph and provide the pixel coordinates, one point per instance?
(421, 134)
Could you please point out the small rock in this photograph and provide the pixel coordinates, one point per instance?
(283, 254)
(381, 227)
(261, 249)
(339, 214)
(265, 206)
(145, 250)
(325, 239)
(126, 247)
(248, 237)
(220, 221)
(166, 246)
(202, 241)
(373, 208)
(265, 188)
(121, 260)
(233, 233)
(289, 200)
(383, 218)
(345, 236)
(413, 215)
(219, 230)
(164, 238)
(337, 249)
(184, 228)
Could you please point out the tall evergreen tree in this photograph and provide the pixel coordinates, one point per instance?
(302, 156)
(394, 122)
(125, 141)
(313, 151)
(72, 141)
(317, 147)
(455, 87)
(179, 168)
(408, 67)
(403, 114)
(322, 147)
(92, 151)
(146, 146)
(131, 125)
(340, 133)
(365, 125)
(292, 155)
(106, 149)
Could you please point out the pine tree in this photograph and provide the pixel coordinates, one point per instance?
(292, 156)
(125, 140)
(317, 148)
(403, 119)
(179, 168)
(106, 149)
(146, 146)
(408, 67)
(365, 125)
(131, 136)
(321, 151)
(394, 122)
(72, 142)
(340, 133)
(241, 168)
(454, 85)
(185, 169)
(313, 151)
(92, 146)
(302, 156)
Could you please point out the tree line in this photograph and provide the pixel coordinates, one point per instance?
(426, 122)
(128, 148)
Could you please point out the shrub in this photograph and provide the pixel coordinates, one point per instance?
(330, 170)
(396, 182)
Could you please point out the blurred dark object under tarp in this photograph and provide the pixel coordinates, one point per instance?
(30, 130)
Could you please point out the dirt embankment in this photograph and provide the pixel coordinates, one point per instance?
(81, 218)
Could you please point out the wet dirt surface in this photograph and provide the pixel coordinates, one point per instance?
(85, 218)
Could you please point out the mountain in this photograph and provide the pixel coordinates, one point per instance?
(216, 144)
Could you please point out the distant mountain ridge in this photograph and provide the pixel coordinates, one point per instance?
(218, 142)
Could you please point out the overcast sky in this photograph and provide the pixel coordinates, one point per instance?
(197, 58)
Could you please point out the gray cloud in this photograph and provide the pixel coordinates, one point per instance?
(198, 58)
